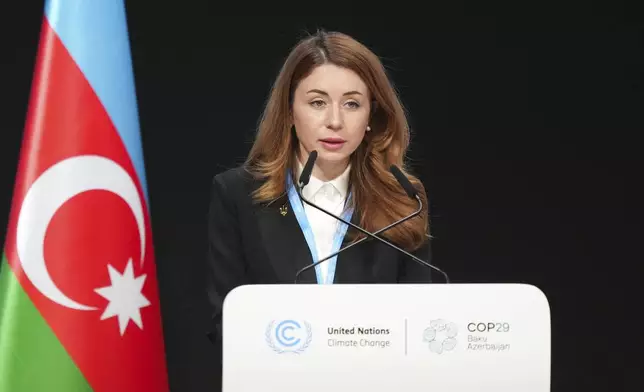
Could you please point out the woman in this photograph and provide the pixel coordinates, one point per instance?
(331, 96)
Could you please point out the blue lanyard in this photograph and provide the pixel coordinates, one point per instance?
(298, 209)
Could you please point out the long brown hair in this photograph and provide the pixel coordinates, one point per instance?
(376, 195)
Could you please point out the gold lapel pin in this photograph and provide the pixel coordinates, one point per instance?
(283, 210)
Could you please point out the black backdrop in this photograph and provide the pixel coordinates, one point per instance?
(524, 135)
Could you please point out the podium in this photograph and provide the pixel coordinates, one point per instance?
(376, 338)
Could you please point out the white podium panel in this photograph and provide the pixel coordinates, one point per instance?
(376, 338)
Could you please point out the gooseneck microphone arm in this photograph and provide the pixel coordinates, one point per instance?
(305, 177)
(371, 235)
(415, 213)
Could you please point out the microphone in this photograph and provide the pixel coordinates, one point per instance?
(404, 183)
(308, 169)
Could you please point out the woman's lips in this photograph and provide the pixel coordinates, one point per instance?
(332, 143)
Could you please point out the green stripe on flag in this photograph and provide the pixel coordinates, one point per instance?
(31, 357)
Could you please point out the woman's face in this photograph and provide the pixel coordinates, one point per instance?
(331, 109)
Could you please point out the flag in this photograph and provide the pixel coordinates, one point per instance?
(79, 303)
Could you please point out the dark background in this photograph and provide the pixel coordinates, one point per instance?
(526, 131)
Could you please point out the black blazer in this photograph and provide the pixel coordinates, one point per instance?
(251, 243)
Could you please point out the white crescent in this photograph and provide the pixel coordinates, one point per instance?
(49, 192)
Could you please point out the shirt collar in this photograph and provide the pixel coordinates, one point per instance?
(340, 183)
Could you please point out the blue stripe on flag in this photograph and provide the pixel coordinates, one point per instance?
(96, 36)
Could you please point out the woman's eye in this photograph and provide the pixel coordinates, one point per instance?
(317, 103)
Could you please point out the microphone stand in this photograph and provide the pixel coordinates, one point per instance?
(371, 235)
(415, 213)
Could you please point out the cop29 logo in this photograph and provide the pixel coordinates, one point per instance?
(288, 336)
(440, 335)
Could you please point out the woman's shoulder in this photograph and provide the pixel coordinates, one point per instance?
(234, 178)
(235, 182)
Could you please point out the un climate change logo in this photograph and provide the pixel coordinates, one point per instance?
(441, 336)
(288, 336)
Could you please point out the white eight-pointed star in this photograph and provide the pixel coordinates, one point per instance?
(124, 296)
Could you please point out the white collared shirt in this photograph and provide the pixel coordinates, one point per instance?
(330, 196)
